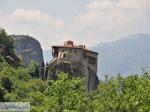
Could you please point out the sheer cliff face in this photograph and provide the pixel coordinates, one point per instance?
(74, 69)
(27, 49)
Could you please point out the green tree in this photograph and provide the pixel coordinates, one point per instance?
(2, 94)
(6, 83)
(7, 42)
(22, 74)
(33, 69)
(18, 83)
(65, 94)
(129, 94)
(42, 71)
(46, 70)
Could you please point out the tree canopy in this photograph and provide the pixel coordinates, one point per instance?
(6, 41)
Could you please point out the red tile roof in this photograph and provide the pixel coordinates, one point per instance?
(74, 46)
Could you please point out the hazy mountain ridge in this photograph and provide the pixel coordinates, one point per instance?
(124, 56)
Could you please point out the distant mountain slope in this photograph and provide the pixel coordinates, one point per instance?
(124, 56)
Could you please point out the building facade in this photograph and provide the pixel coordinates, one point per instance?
(76, 54)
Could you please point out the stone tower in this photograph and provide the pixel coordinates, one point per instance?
(76, 53)
(82, 62)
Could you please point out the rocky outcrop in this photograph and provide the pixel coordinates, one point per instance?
(27, 49)
(12, 59)
(74, 69)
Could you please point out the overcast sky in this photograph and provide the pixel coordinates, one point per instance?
(83, 21)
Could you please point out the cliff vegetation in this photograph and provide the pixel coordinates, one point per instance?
(68, 94)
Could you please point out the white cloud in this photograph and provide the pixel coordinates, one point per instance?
(111, 20)
(108, 12)
(121, 4)
(35, 15)
(102, 21)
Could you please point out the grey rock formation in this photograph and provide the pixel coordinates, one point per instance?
(27, 48)
(74, 69)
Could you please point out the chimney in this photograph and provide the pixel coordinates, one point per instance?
(70, 43)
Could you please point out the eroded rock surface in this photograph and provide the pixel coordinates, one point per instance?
(27, 48)
(74, 69)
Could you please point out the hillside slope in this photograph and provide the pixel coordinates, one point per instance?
(124, 56)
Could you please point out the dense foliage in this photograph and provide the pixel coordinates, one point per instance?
(6, 41)
(68, 94)
(18, 84)
(130, 94)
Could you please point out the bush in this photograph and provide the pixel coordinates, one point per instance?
(2, 93)
(113, 95)
(6, 83)
(18, 83)
(33, 69)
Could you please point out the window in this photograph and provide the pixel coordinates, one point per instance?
(92, 60)
(55, 53)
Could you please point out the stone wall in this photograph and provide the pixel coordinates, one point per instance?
(73, 54)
